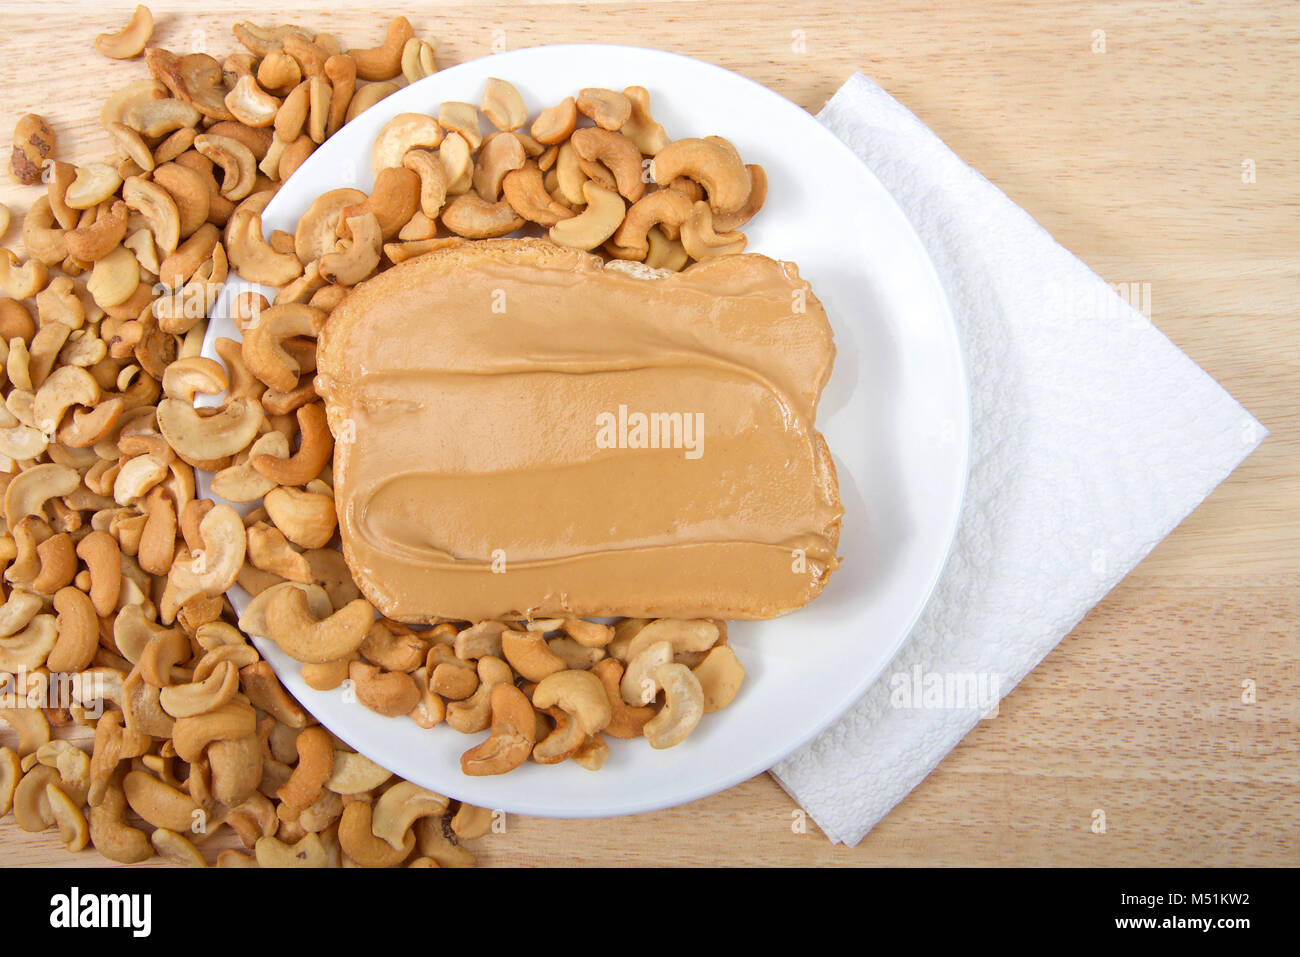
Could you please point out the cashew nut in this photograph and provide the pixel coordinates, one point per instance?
(555, 123)
(238, 164)
(502, 105)
(608, 109)
(514, 732)
(131, 39)
(109, 832)
(243, 483)
(315, 749)
(417, 60)
(461, 118)
(78, 632)
(625, 721)
(231, 721)
(28, 491)
(593, 225)
(702, 242)
(355, 774)
(253, 257)
(251, 104)
(114, 278)
(390, 693)
(720, 675)
(97, 239)
(433, 179)
(618, 154)
(356, 255)
(404, 132)
(308, 851)
(563, 742)
(579, 693)
(360, 843)
(207, 438)
(648, 135)
(398, 809)
(726, 222)
(709, 163)
(394, 199)
(682, 710)
(291, 624)
(501, 153)
(662, 206)
(473, 217)
(638, 684)
(264, 351)
(528, 653)
(158, 208)
(27, 650)
(21, 281)
(307, 518)
(526, 193)
(384, 61)
(213, 569)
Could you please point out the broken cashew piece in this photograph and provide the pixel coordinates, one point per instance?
(473, 217)
(130, 41)
(502, 105)
(555, 124)
(606, 108)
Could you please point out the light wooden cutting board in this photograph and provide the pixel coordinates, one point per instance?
(1158, 144)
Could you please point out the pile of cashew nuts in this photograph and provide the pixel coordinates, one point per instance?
(618, 185)
(115, 573)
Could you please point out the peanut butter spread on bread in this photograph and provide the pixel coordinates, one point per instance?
(524, 431)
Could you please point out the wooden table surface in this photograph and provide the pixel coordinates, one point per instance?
(1128, 129)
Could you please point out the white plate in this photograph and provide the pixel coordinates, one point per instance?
(895, 415)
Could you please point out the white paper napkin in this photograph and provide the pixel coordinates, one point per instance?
(1094, 436)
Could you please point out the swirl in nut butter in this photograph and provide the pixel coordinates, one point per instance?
(523, 431)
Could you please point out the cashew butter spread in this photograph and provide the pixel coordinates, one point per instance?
(522, 431)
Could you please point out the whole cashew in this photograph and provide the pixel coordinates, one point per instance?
(617, 152)
(529, 654)
(514, 732)
(315, 748)
(362, 845)
(291, 625)
(682, 710)
(580, 693)
(639, 686)
(712, 165)
(398, 808)
(593, 225)
(384, 61)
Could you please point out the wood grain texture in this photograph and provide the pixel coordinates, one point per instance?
(1133, 159)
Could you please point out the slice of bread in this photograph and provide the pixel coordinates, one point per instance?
(524, 431)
